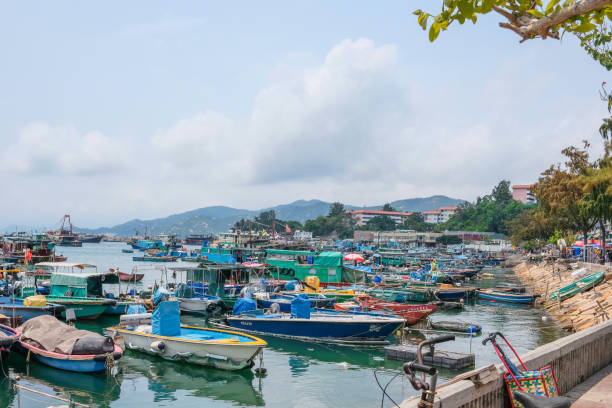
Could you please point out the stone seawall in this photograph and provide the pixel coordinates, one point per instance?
(586, 309)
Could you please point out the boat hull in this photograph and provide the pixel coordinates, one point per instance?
(82, 310)
(197, 305)
(225, 356)
(332, 330)
(76, 363)
(581, 285)
(28, 312)
(507, 297)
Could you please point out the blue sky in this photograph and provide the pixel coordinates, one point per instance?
(118, 110)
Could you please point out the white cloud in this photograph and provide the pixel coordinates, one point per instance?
(357, 127)
(44, 149)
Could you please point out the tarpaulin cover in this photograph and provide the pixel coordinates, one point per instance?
(328, 259)
(166, 319)
(136, 309)
(300, 307)
(35, 301)
(50, 334)
(244, 305)
(160, 294)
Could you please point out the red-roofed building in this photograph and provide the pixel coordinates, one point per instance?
(523, 193)
(363, 216)
(432, 217)
(446, 213)
(440, 215)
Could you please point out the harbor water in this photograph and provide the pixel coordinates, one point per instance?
(299, 374)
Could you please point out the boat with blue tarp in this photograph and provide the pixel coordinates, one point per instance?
(161, 333)
(316, 325)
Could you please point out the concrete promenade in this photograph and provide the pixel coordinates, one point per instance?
(595, 392)
(574, 358)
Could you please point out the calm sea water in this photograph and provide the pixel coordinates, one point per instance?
(299, 373)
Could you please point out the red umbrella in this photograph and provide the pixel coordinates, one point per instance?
(354, 257)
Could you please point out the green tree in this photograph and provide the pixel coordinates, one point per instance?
(561, 196)
(416, 222)
(449, 240)
(381, 223)
(532, 18)
(336, 208)
(388, 207)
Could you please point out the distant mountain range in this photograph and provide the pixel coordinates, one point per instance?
(220, 218)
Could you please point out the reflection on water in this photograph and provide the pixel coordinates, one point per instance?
(299, 373)
(166, 377)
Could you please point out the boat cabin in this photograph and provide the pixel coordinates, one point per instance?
(327, 266)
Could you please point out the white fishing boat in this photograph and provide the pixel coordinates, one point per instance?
(162, 335)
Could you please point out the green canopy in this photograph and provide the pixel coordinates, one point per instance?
(328, 259)
(80, 285)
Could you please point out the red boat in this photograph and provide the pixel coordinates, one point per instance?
(130, 277)
(410, 313)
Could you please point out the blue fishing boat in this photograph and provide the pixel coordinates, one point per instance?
(55, 344)
(317, 325)
(506, 296)
(9, 305)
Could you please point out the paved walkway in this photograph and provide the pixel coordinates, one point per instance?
(595, 392)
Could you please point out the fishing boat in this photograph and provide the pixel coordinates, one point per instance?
(444, 291)
(191, 303)
(410, 313)
(8, 337)
(403, 295)
(505, 296)
(162, 258)
(130, 277)
(161, 334)
(322, 325)
(581, 285)
(10, 306)
(315, 325)
(53, 343)
(78, 290)
(460, 327)
(265, 300)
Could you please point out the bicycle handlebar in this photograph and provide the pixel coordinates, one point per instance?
(492, 337)
(413, 366)
(439, 339)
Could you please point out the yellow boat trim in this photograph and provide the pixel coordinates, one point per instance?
(256, 340)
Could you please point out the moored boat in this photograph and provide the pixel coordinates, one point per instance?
(8, 337)
(161, 334)
(578, 286)
(130, 277)
(21, 307)
(505, 296)
(53, 343)
(326, 326)
(410, 313)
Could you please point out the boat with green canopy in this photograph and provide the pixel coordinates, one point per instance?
(78, 290)
(582, 285)
(328, 266)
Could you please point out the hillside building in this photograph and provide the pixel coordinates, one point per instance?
(523, 194)
(440, 215)
(363, 216)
